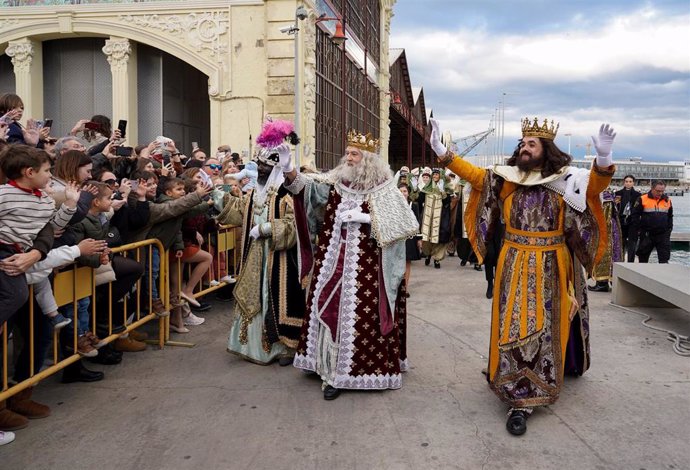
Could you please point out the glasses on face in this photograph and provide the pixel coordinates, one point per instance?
(214, 166)
(110, 182)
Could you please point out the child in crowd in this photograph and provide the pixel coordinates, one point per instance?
(161, 212)
(125, 272)
(25, 210)
(169, 233)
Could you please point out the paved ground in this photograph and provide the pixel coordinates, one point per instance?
(203, 408)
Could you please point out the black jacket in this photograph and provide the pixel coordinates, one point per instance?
(624, 208)
(652, 216)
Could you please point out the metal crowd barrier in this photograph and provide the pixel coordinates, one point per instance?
(69, 286)
(78, 282)
(223, 242)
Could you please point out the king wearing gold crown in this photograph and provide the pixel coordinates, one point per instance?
(555, 231)
(353, 335)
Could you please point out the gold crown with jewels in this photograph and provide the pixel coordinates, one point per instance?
(363, 142)
(533, 129)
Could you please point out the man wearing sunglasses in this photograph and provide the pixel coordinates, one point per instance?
(212, 167)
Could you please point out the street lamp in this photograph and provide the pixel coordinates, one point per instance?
(339, 36)
(568, 136)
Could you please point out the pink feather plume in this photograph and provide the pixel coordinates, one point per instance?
(274, 132)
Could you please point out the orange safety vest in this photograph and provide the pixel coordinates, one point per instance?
(650, 204)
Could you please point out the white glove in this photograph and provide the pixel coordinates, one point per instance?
(355, 215)
(254, 232)
(285, 158)
(435, 139)
(603, 145)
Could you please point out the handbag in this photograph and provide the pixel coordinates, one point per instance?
(105, 274)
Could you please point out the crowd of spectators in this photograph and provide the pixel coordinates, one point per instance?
(75, 198)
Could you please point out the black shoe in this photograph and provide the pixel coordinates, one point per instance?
(427, 261)
(225, 294)
(451, 254)
(598, 288)
(78, 373)
(285, 361)
(331, 393)
(203, 306)
(477, 267)
(463, 262)
(437, 264)
(517, 422)
(490, 291)
(407, 295)
(107, 356)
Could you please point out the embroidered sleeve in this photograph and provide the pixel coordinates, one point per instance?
(233, 210)
(284, 234)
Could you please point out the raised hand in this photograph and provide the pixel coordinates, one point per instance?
(72, 193)
(604, 142)
(435, 139)
(79, 126)
(125, 188)
(141, 189)
(31, 133)
(89, 188)
(285, 157)
(203, 188)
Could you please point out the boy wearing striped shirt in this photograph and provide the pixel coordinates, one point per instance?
(24, 211)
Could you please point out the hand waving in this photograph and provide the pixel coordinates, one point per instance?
(604, 142)
(285, 157)
(72, 193)
(435, 139)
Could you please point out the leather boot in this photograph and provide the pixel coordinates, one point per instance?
(128, 345)
(22, 404)
(11, 421)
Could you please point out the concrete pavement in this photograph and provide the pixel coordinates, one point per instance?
(203, 408)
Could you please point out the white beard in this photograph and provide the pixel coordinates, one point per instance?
(367, 174)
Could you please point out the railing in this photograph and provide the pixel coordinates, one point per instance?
(78, 282)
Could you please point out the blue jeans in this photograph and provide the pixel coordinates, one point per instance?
(83, 319)
(156, 265)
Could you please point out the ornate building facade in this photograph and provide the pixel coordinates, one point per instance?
(203, 71)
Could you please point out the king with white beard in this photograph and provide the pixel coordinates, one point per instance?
(352, 223)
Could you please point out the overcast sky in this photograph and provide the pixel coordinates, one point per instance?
(580, 62)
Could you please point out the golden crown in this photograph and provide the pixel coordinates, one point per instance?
(363, 142)
(533, 129)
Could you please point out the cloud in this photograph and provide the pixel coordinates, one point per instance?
(631, 69)
(474, 59)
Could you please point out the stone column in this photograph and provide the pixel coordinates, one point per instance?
(121, 56)
(27, 58)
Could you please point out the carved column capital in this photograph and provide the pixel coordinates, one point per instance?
(22, 54)
(117, 52)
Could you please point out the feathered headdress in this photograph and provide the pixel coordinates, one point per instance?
(276, 132)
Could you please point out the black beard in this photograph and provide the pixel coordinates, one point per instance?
(528, 165)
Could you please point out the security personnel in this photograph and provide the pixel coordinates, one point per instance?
(652, 222)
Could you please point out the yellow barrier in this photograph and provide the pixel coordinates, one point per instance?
(225, 244)
(77, 283)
